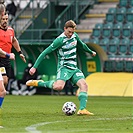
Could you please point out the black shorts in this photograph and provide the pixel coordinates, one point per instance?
(4, 62)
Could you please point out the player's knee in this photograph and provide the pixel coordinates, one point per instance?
(84, 87)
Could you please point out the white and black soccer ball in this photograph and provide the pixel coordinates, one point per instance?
(69, 108)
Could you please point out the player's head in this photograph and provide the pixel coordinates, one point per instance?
(2, 10)
(4, 21)
(69, 28)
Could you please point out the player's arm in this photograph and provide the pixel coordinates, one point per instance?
(7, 55)
(55, 45)
(18, 49)
(84, 46)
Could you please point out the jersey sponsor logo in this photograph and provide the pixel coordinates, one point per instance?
(2, 70)
(74, 43)
(70, 44)
(79, 74)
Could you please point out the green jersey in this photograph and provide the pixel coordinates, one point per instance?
(66, 51)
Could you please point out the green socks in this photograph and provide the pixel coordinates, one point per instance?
(47, 84)
(83, 100)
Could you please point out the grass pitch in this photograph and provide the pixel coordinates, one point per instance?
(43, 114)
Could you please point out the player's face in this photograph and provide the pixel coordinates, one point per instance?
(4, 21)
(69, 31)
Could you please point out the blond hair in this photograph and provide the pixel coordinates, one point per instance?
(70, 23)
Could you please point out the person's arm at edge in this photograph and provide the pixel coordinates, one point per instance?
(7, 55)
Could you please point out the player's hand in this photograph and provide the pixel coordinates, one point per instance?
(12, 56)
(32, 71)
(93, 53)
(22, 57)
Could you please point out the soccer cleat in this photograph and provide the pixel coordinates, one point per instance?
(33, 82)
(84, 112)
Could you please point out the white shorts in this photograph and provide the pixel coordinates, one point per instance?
(1, 78)
(2, 70)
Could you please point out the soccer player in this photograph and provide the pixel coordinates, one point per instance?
(7, 40)
(66, 46)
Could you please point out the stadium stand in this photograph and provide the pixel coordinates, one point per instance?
(120, 14)
(116, 31)
(123, 3)
(107, 29)
(97, 30)
(129, 15)
(127, 30)
(110, 16)
(113, 46)
(130, 3)
(109, 66)
(104, 43)
(123, 46)
(116, 37)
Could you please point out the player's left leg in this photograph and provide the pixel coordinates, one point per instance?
(78, 79)
(35, 83)
(52, 84)
(83, 97)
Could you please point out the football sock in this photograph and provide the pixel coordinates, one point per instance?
(47, 84)
(83, 100)
(1, 101)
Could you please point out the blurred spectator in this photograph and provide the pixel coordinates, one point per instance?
(21, 88)
(11, 9)
(10, 80)
(26, 77)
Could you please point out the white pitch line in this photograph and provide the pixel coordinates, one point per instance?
(33, 128)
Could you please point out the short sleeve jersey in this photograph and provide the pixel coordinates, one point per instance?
(6, 37)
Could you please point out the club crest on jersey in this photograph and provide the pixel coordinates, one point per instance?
(74, 43)
(71, 44)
